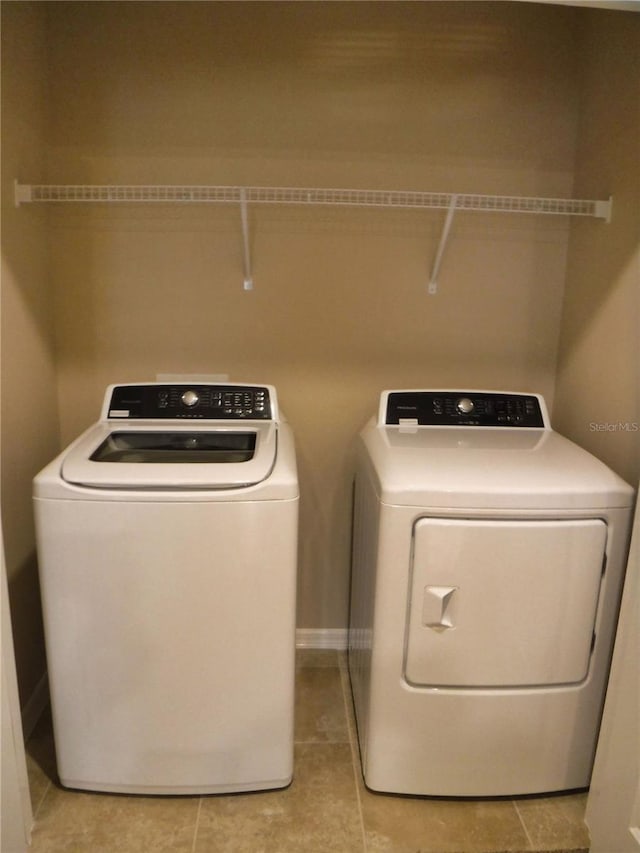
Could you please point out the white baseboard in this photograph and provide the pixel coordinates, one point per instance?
(34, 706)
(322, 638)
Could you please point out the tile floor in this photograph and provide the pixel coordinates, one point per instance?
(326, 809)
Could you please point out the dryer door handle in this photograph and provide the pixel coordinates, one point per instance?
(437, 610)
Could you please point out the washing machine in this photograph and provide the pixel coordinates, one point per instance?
(488, 559)
(167, 546)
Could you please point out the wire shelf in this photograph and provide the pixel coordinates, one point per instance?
(141, 193)
(243, 196)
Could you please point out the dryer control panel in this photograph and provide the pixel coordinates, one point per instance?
(462, 408)
(153, 401)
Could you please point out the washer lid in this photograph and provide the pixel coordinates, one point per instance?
(168, 456)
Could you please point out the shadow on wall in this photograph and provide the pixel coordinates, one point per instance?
(28, 634)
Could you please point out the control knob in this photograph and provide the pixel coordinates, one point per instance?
(465, 406)
(190, 398)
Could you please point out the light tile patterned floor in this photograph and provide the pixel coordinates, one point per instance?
(327, 808)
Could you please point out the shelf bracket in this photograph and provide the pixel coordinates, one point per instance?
(603, 209)
(433, 281)
(21, 193)
(246, 252)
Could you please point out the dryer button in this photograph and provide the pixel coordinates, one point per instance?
(465, 406)
(190, 398)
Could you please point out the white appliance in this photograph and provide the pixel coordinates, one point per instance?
(489, 553)
(167, 542)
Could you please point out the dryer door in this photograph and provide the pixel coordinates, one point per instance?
(497, 603)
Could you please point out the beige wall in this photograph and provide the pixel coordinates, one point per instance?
(29, 408)
(599, 374)
(598, 390)
(471, 97)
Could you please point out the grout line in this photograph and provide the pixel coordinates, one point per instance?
(318, 742)
(196, 827)
(343, 667)
(523, 824)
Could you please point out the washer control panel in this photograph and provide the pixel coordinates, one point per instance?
(462, 408)
(168, 402)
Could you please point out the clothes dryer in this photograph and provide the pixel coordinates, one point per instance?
(167, 543)
(488, 559)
